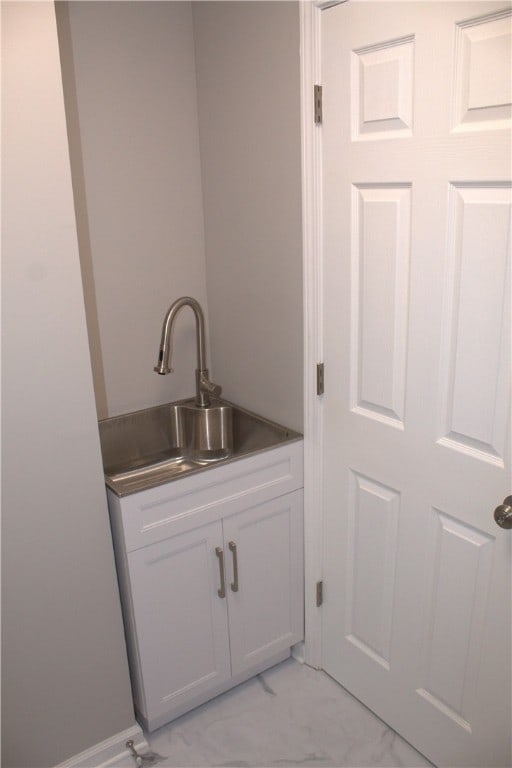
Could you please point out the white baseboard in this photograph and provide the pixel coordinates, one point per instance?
(112, 752)
(299, 652)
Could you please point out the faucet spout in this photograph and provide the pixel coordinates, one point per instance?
(204, 387)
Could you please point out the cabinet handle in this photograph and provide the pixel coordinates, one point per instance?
(234, 583)
(220, 554)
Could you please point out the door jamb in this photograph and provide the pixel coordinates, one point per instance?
(311, 168)
(311, 175)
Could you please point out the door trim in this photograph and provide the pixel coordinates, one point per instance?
(311, 172)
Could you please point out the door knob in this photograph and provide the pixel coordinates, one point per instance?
(503, 513)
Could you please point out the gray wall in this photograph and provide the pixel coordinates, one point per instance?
(248, 79)
(131, 100)
(130, 89)
(65, 678)
(133, 132)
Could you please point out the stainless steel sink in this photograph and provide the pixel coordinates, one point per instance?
(147, 448)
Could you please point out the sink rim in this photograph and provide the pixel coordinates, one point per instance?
(159, 471)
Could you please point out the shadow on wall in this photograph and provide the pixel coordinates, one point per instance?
(80, 202)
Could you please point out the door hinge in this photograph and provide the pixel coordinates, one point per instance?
(320, 378)
(319, 593)
(318, 104)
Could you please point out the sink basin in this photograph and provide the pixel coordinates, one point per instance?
(147, 448)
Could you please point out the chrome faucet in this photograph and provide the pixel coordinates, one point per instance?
(204, 387)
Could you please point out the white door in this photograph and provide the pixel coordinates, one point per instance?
(265, 579)
(416, 228)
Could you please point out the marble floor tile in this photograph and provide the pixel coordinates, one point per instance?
(289, 715)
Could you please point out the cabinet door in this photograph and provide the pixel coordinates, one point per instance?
(181, 622)
(266, 614)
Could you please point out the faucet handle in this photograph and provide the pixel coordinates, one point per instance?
(207, 385)
(213, 389)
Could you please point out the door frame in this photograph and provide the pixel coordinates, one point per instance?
(313, 303)
(311, 175)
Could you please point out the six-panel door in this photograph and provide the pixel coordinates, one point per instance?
(417, 202)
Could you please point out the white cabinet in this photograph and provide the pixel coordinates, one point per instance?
(211, 578)
(265, 614)
(182, 633)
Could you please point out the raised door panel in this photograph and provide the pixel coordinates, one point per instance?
(382, 92)
(458, 580)
(476, 344)
(483, 81)
(380, 257)
(372, 546)
(266, 613)
(181, 621)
